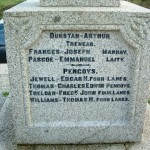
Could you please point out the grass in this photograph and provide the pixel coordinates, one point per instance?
(5, 94)
(144, 3)
(6, 4)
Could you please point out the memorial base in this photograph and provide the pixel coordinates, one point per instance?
(78, 75)
(7, 141)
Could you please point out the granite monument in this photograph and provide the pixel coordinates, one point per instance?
(78, 74)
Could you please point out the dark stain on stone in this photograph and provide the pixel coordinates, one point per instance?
(46, 131)
(57, 19)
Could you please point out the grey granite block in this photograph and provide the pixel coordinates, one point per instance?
(81, 3)
(78, 75)
(4, 83)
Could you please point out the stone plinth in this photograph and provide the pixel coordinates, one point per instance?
(81, 3)
(78, 75)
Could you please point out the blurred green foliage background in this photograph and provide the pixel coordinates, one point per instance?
(144, 3)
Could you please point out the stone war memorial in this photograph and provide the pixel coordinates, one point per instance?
(79, 70)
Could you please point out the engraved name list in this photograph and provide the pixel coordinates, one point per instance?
(81, 68)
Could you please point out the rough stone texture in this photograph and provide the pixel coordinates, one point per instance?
(6, 123)
(81, 3)
(6, 127)
(26, 23)
(7, 141)
(2, 146)
(4, 83)
(83, 147)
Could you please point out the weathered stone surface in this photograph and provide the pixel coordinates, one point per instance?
(143, 145)
(2, 146)
(37, 122)
(83, 147)
(4, 83)
(81, 3)
(7, 141)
